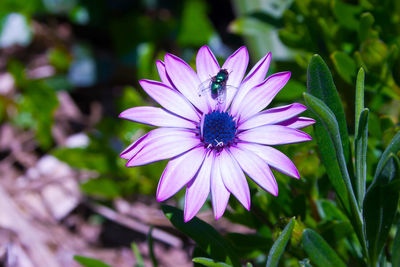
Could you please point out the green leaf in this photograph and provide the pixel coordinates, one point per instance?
(344, 65)
(90, 262)
(196, 28)
(396, 248)
(319, 251)
(328, 120)
(359, 97)
(364, 30)
(205, 236)
(101, 187)
(393, 147)
(209, 262)
(361, 143)
(82, 158)
(320, 84)
(346, 14)
(380, 206)
(145, 59)
(329, 211)
(249, 26)
(138, 256)
(280, 244)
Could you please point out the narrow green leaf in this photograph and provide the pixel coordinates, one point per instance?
(359, 97)
(90, 262)
(328, 211)
(328, 120)
(151, 247)
(319, 251)
(393, 147)
(320, 85)
(205, 236)
(380, 206)
(361, 143)
(209, 262)
(280, 244)
(138, 256)
(396, 248)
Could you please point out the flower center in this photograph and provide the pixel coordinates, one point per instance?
(218, 129)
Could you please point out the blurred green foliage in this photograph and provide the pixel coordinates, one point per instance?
(347, 34)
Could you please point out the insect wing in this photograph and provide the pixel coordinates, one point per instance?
(205, 87)
(221, 96)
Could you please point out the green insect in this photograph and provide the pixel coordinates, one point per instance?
(217, 85)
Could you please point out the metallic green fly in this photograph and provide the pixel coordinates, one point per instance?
(217, 85)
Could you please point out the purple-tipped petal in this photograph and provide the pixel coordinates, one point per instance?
(132, 149)
(256, 169)
(272, 116)
(198, 189)
(206, 64)
(233, 178)
(185, 80)
(179, 172)
(219, 193)
(169, 99)
(156, 117)
(260, 96)
(273, 135)
(254, 78)
(297, 122)
(163, 74)
(164, 147)
(136, 146)
(273, 158)
(236, 66)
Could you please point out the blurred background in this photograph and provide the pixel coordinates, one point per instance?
(69, 67)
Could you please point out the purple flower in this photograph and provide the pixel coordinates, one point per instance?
(212, 143)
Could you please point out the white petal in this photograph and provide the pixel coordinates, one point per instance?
(198, 189)
(156, 117)
(219, 193)
(170, 99)
(274, 158)
(178, 172)
(185, 80)
(234, 178)
(256, 169)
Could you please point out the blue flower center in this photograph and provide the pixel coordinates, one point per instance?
(218, 129)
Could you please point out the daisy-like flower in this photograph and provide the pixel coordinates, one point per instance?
(212, 144)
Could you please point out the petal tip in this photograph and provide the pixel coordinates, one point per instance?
(188, 217)
(275, 192)
(218, 216)
(159, 196)
(204, 47)
(169, 57)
